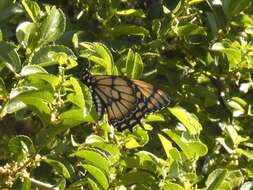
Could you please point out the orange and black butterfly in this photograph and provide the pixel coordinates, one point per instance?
(124, 100)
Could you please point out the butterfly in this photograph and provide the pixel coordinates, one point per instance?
(124, 100)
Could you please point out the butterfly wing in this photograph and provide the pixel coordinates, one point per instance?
(121, 99)
(156, 99)
(99, 105)
(126, 101)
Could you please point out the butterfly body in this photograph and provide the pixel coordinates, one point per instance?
(124, 100)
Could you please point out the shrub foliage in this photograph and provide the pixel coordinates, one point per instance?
(198, 51)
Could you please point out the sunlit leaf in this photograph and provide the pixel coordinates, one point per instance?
(100, 54)
(59, 167)
(9, 56)
(53, 26)
(94, 158)
(190, 121)
(21, 146)
(95, 172)
(216, 179)
(190, 148)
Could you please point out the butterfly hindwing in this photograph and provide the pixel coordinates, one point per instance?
(155, 98)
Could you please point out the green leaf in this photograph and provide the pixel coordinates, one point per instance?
(8, 9)
(247, 186)
(1, 35)
(134, 65)
(74, 117)
(9, 56)
(12, 107)
(38, 101)
(100, 143)
(132, 12)
(21, 146)
(78, 183)
(138, 139)
(25, 34)
(192, 149)
(58, 166)
(32, 69)
(167, 146)
(22, 184)
(53, 26)
(39, 104)
(32, 9)
(98, 175)
(216, 179)
(27, 96)
(247, 153)
(43, 56)
(190, 121)
(232, 51)
(243, 21)
(190, 30)
(138, 177)
(100, 54)
(236, 138)
(154, 117)
(133, 30)
(149, 162)
(62, 184)
(174, 186)
(3, 90)
(95, 158)
(233, 8)
(212, 22)
(77, 97)
(93, 184)
(235, 178)
(23, 93)
(49, 78)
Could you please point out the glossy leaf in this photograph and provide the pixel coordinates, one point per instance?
(216, 179)
(139, 177)
(74, 117)
(247, 186)
(100, 143)
(95, 172)
(76, 97)
(32, 69)
(3, 90)
(100, 54)
(59, 167)
(53, 26)
(173, 186)
(21, 146)
(130, 30)
(9, 56)
(190, 121)
(190, 148)
(32, 9)
(25, 33)
(134, 65)
(232, 8)
(43, 56)
(94, 158)
(190, 30)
